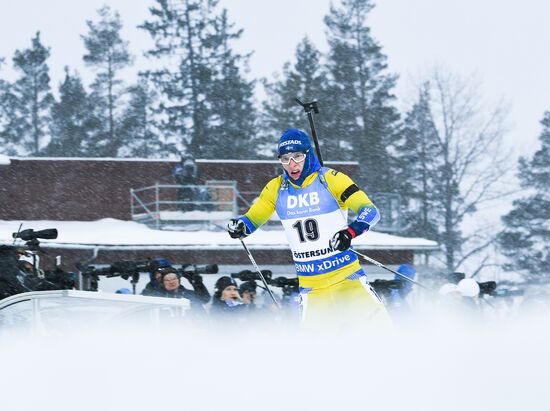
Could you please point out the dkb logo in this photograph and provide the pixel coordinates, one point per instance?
(303, 200)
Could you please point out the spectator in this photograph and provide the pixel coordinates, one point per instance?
(226, 296)
(247, 290)
(250, 308)
(157, 288)
(30, 275)
(30, 263)
(153, 287)
(10, 282)
(171, 288)
(185, 173)
(397, 299)
(171, 285)
(459, 302)
(469, 289)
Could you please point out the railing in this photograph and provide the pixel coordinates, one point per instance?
(168, 206)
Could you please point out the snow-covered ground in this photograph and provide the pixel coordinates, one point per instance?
(112, 233)
(428, 362)
(439, 367)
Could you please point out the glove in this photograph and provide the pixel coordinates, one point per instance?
(341, 241)
(236, 228)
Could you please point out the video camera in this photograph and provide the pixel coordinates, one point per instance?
(31, 237)
(247, 275)
(29, 234)
(283, 282)
(193, 272)
(289, 286)
(192, 269)
(386, 287)
(124, 269)
(487, 287)
(490, 288)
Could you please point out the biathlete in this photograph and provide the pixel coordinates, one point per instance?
(312, 202)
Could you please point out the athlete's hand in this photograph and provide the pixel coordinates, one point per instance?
(236, 228)
(342, 239)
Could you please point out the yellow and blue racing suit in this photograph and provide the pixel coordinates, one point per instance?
(332, 282)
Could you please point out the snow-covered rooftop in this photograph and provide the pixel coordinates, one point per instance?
(119, 234)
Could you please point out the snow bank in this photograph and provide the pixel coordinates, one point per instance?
(128, 234)
(259, 368)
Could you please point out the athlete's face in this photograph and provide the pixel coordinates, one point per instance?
(294, 168)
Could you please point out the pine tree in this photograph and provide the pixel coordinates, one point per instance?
(202, 90)
(180, 29)
(31, 99)
(108, 54)
(361, 91)
(526, 238)
(139, 129)
(417, 161)
(72, 122)
(306, 80)
(232, 123)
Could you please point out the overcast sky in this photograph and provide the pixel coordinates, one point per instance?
(505, 42)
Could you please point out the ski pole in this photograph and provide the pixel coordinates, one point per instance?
(259, 272)
(372, 261)
(251, 258)
(308, 108)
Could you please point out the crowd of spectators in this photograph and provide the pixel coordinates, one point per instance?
(228, 298)
(246, 297)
